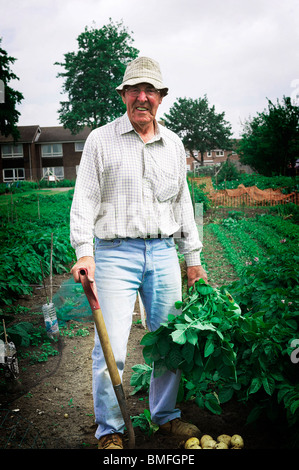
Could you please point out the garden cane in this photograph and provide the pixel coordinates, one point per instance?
(91, 294)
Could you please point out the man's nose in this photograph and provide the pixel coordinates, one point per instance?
(142, 96)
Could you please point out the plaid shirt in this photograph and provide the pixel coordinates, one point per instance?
(128, 188)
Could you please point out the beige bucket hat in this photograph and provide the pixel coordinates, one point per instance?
(143, 70)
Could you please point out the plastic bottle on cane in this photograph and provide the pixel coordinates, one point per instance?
(51, 321)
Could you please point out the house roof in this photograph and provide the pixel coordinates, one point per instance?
(28, 134)
(60, 134)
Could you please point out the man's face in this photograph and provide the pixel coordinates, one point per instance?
(142, 102)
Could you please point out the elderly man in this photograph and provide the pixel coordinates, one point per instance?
(131, 205)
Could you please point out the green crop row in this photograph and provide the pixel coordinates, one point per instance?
(264, 253)
(28, 227)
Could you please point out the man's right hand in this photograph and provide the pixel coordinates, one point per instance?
(86, 262)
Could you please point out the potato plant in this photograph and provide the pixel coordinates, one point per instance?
(25, 235)
(198, 342)
(240, 348)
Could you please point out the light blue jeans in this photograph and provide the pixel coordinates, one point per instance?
(124, 266)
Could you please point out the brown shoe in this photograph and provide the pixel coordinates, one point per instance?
(111, 441)
(178, 427)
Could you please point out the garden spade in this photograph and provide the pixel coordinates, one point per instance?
(92, 297)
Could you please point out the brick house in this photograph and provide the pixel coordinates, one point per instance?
(215, 157)
(41, 152)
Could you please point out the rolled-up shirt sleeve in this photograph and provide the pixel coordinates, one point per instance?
(87, 199)
(188, 241)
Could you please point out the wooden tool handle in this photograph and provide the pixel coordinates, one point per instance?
(106, 347)
(91, 294)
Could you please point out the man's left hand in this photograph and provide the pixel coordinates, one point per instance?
(194, 273)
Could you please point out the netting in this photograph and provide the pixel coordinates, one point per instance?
(71, 303)
(251, 196)
(246, 196)
(17, 432)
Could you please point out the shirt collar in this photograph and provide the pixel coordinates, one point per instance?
(126, 126)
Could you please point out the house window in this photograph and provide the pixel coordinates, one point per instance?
(219, 153)
(53, 173)
(209, 154)
(79, 146)
(13, 174)
(12, 151)
(52, 150)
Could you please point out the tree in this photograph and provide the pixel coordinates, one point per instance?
(227, 172)
(92, 74)
(199, 126)
(270, 141)
(9, 116)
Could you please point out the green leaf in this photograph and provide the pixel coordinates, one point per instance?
(197, 358)
(200, 401)
(179, 336)
(187, 318)
(204, 289)
(211, 403)
(149, 338)
(225, 394)
(255, 385)
(192, 337)
(209, 347)
(164, 344)
(188, 352)
(150, 354)
(294, 406)
(269, 385)
(203, 326)
(178, 304)
(173, 358)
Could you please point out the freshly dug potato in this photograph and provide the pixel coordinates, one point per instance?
(205, 438)
(237, 441)
(192, 443)
(221, 445)
(209, 444)
(224, 438)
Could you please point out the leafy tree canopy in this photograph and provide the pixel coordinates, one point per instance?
(199, 126)
(9, 116)
(270, 141)
(92, 74)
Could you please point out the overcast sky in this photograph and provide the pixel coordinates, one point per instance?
(237, 52)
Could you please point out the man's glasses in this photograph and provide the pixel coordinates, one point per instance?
(135, 91)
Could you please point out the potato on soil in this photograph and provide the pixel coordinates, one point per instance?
(237, 441)
(209, 444)
(205, 438)
(221, 445)
(192, 443)
(224, 438)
